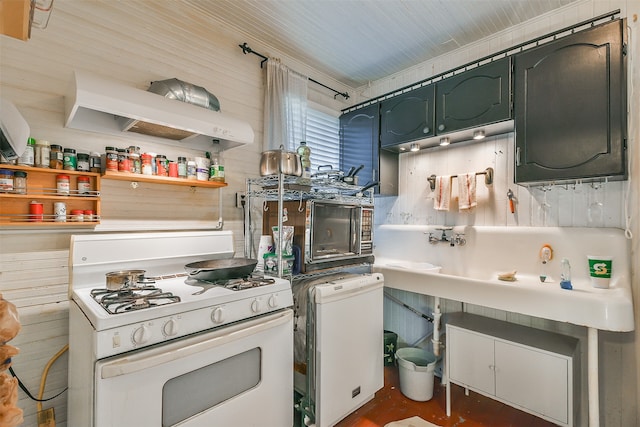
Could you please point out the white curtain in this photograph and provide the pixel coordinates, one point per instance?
(285, 107)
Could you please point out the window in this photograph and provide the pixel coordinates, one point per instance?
(323, 139)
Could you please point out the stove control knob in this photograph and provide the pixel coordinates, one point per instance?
(256, 306)
(141, 335)
(273, 301)
(218, 315)
(170, 328)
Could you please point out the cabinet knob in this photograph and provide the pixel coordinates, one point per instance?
(426, 130)
(441, 126)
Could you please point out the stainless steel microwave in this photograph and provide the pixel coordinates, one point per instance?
(329, 233)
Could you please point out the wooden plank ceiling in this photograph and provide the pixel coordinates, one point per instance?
(358, 41)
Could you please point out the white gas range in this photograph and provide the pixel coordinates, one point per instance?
(192, 353)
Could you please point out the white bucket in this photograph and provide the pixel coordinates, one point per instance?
(416, 373)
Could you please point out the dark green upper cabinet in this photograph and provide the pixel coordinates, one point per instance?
(570, 103)
(359, 145)
(407, 117)
(476, 97)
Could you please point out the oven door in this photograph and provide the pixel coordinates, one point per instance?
(240, 375)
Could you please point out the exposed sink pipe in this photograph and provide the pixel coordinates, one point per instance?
(436, 326)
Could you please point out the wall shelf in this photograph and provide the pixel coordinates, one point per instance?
(154, 179)
(41, 187)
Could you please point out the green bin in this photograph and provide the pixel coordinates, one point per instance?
(389, 351)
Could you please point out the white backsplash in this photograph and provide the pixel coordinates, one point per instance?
(540, 206)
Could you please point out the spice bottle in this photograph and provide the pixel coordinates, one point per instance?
(84, 185)
(134, 159)
(123, 161)
(147, 168)
(70, 160)
(95, 162)
(43, 153)
(182, 167)
(83, 162)
(28, 157)
(20, 182)
(62, 184)
(111, 159)
(6, 181)
(56, 159)
(191, 170)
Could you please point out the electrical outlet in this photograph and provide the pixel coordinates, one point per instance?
(241, 199)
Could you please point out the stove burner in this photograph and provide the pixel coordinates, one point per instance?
(132, 298)
(249, 282)
(238, 284)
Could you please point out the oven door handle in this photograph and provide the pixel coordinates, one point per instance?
(179, 350)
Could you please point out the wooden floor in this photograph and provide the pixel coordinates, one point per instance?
(474, 410)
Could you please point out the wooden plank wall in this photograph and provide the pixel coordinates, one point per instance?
(37, 283)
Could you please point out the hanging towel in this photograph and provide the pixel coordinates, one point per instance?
(442, 193)
(467, 191)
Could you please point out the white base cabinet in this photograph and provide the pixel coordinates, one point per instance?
(527, 368)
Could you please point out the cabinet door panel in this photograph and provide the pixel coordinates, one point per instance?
(569, 104)
(474, 371)
(474, 98)
(532, 379)
(407, 117)
(359, 131)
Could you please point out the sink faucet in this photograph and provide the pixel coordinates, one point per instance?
(455, 239)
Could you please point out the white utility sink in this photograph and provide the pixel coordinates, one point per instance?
(469, 273)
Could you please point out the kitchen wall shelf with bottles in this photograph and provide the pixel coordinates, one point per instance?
(42, 188)
(155, 179)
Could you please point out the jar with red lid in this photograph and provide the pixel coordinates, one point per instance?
(36, 211)
(84, 185)
(77, 215)
(62, 185)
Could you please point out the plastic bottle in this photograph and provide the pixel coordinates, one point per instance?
(565, 276)
(28, 157)
(305, 159)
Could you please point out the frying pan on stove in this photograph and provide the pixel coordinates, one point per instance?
(221, 269)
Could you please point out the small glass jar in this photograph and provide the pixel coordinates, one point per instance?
(111, 159)
(56, 159)
(20, 182)
(162, 165)
(191, 170)
(182, 167)
(95, 162)
(28, 157)
(83, 162)
(43, 153)
(6, 180)
(62, 185)
(77, 215)
(84, 185)
(70, 160)
(88, 215)
(135, 164)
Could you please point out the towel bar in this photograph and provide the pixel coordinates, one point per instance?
(488, 178)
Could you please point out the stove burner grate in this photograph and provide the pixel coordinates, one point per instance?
(132, 298)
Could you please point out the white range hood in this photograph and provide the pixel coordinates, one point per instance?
(99, 105)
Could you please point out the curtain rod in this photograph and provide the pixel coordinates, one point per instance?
(503, 53)
(246, 49)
